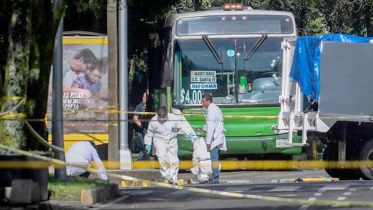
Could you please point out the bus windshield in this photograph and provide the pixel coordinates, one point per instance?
(236, 80)
(235, 24)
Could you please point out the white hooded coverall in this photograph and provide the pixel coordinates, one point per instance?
(201, 160)
(201, 157)
(165, 142)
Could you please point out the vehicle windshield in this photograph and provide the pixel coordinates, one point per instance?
(256, 80)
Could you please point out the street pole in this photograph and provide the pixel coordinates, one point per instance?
(125, 153)
(57, 116)
(112, 28)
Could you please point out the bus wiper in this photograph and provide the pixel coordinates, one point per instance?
(255, 47)
(212, 49)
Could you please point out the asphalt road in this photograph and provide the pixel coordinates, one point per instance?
(257, 177)
(261, 183)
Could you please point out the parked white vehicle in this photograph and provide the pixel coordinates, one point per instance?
(331, 101)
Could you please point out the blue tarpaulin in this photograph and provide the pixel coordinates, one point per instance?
(306, 62)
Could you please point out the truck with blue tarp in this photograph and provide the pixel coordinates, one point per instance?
(327, 96)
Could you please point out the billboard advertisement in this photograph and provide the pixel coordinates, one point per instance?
(85, 89)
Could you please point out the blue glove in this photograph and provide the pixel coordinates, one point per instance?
(148, 148)
(192, 138)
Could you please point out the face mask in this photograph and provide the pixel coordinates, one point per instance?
(162, 120)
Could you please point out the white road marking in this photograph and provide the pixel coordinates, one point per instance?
(238, 181)
(312, 199)
(318, 194)
(371, 188)
(100, 206)
(347, 193)
(288, 195)
(341, 198)
(352, 189)
(236, 189)
(337, 187)
(284, 189)
(304, 207)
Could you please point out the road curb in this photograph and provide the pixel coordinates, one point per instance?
(99, 194)
(88, 198)
(321, 179)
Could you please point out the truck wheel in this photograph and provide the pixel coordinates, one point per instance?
(331, 154)
(365, 153)
(328, 156)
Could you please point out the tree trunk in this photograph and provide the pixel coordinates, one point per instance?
(16, 70)
(113, 147)
(31, 38)
(131, 73)
(43, 19)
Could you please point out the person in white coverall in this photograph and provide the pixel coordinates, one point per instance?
(201, 161)
(82, 153)
(215, 134)
(162, 130)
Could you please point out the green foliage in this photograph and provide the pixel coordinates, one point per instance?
(85, 6)
(316, 27)
(321, 17)
(17, 68)
(28, 50)
(70, 190)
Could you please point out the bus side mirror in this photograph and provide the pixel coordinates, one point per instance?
(168, 72)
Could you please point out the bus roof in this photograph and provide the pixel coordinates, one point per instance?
(170, 20)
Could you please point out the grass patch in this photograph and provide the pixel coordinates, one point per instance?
(69, 190)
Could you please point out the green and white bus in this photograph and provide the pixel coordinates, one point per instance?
(236, 54)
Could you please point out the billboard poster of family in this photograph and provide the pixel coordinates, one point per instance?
(85, 86)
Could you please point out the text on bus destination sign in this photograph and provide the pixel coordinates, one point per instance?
(203, 79)
(203, 73)
(203, 86)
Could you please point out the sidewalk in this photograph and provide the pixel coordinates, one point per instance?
(62, 205)
(145, 174)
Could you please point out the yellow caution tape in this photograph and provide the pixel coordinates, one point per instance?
(13, 97)
(317, 179)
(201, 190)
(116, 111)
(13, 116)
(225, 165)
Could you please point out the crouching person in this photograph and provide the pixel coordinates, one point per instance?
(162, 131)
(201, 160)
(81, 154)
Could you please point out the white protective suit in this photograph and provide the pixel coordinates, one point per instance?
(201, 157)
(201, 161)
(164, 136)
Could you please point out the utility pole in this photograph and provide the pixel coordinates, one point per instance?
(57, 116)
(112, 29)
(125, 153)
